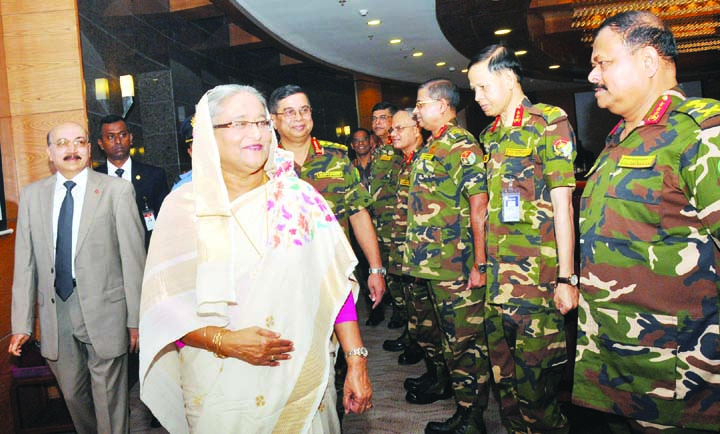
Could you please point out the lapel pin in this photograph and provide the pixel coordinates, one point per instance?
(137, 177)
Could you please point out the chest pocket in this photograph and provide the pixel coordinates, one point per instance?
(430, 170)
(634, 194)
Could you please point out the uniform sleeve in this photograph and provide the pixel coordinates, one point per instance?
(700, 169)
(357, 197)
(465, 165)
(558, 154)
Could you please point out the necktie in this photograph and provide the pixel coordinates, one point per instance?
(63, 246)
(119, 172)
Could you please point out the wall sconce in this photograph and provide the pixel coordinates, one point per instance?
(342, 131)
(102, 89)
(127, 89)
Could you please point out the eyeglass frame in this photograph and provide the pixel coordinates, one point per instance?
(401, 127)
(304, 112)
(419, 104)
(79, 142)
(244, 125)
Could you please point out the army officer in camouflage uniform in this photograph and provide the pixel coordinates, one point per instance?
(326, 167)
(648, 345)
(445, 239)
(530, 242)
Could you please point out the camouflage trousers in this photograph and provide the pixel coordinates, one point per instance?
(460, 317)
(393, 282)
(422, 323)
(528, 356)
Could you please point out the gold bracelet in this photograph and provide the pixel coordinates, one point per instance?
(217, 343)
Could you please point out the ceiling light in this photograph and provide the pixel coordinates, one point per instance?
(395, 41)
(554, 67)
(440, 64)
(501, 32)
(374, 22)
(520, 52)
(464, 70)
(417, 54)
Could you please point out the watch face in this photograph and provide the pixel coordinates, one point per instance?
(573, 280)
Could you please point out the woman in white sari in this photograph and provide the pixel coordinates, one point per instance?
(246, 280)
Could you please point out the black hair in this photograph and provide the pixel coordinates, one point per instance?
(382, 105)
(643, 29)
(499, 57)
(281, 93)
(109, 119)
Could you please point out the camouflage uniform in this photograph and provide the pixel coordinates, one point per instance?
(648, 345)
(440, 250)
(328, 169)
(422, 323)
(526, 333)
(386, 165)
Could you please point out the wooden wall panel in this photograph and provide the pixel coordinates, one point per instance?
(42, 77)
(29, 7)
(368, 92)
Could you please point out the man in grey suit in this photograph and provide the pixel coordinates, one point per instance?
(79, 254)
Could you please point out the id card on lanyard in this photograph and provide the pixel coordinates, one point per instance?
(510, 204)
(148, 216)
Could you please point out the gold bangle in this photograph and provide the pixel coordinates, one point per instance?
(217, 343)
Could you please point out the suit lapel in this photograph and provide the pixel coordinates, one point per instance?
(93, 192)
(47, 196)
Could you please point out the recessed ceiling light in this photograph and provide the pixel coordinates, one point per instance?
(417, 54)
(395, 41)
(464, 70)
(502, 32)
(520, 52)
(374, 22)
(554, 67)
(440, 64)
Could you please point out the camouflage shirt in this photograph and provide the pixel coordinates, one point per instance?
(532, 156)
(328, 169)
(648, 345)
(383, 186)
(448, 170)
(398, 226)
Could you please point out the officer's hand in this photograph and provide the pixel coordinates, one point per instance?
(376, 284)
(477, 279)
(134, 339)
(566, 297)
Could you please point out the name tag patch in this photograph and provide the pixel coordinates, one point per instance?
(637, 162)
(518, 152)
(329, 174)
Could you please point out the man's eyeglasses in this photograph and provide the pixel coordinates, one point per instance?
(399, 128)
(419, 104)
(79, 142)
(381, 118)
(264, 124)
(291, 112)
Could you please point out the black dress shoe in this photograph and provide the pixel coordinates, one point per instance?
(377, 316)
(399, 344)
(466, 420)
(412, 354)
(418, 384)
(430, 395)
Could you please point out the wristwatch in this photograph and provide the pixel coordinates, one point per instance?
(380, 270)
(359, 351)
(482, 267)
(572, 280)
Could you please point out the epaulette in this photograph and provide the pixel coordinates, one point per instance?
(551, 113)
(702, 110)
(326, 144)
